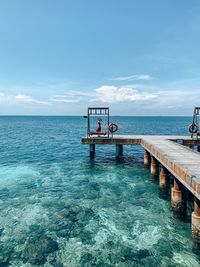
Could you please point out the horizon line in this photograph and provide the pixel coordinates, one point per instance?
(41, 115)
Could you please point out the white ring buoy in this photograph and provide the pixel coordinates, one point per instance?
(193, 128)
(113, 127)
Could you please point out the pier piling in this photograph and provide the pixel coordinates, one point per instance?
(177, 197)
(196, 219)
(119, 151)
(147, 158)
(154, 166)
(92, 151)
(163, 178)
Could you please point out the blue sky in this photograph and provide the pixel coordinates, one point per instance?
(138, 57)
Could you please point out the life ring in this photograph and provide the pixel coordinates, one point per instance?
(113, 127)
(193, 128)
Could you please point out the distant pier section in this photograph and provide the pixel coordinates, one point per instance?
(168, 157)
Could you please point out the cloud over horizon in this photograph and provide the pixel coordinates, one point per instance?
(71, 98)
(20, 98)
(114, 94)
(154, 99)
(137, 77)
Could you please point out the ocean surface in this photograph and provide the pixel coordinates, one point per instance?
(59, 208)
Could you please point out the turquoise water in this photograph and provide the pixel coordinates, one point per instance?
(58, 208)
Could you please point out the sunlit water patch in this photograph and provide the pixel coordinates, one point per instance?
(58, 208)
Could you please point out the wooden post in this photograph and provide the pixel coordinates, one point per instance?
(154, 166)
(196, 219)
(92, 150)
(147, 158)
(177, 197)
(163, 178)
(119, 151)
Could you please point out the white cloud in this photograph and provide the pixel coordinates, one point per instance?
(179, 97)
(72, 97)
(20, 98)
(169, 98)
(113, 94)
(29, 99)
(138, 77)
(66, 98)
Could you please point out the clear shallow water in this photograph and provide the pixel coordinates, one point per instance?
(59, 208)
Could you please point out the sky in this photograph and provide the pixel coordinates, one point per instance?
(138, 57)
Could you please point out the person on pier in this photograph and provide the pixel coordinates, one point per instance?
(98, 130)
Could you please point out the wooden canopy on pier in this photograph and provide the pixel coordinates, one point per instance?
(97, 113)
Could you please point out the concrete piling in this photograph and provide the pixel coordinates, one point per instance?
(163, 178)
(196, 219)
(147, 158)
(92, 151)
(119, 151)
(153, 166)
(177, 197)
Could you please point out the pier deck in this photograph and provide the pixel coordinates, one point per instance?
(178, 159)
(166, 155)
(136, 139)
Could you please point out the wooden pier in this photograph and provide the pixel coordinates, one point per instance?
(165, 155)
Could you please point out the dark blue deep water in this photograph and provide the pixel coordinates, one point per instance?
(59, 208)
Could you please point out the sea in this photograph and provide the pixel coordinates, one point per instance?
(59, 208)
